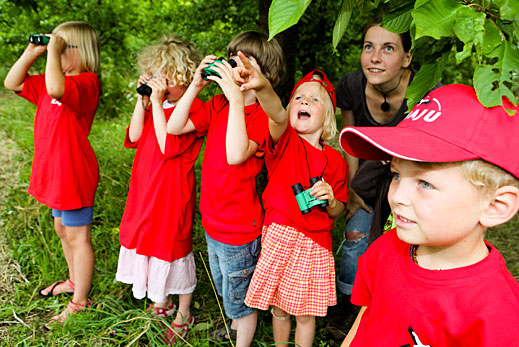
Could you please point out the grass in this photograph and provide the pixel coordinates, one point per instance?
(31, 257)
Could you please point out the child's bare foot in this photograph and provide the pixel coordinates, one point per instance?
(57, 288)
(179, 329)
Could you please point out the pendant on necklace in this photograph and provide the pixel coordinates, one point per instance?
(385, 105)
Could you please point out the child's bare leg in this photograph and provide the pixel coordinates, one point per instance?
(281, 325)
(83, 259)
(305, 331)
(184, 309)
(164, 304)
(245, 329)
(67, 251)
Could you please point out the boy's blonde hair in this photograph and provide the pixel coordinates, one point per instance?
(268, 54)
(172, 58)
(82, 35)
(330, 123)
(481, 173)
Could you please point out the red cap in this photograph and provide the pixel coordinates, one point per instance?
(324, 82)
(449, 124)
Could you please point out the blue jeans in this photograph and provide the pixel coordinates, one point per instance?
(352, 250)
(232, 268)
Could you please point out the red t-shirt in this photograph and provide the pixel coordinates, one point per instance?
(475, 305)
(230, 206)
(64, 168)
(294, 160)
(159, 212)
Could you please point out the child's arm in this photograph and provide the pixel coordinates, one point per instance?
(252, 78)
(16, 76)
(137, 122)
(353, 330)
(54, 77)
(179, 122)
(323, 191)
(237, 143)
(159, 87)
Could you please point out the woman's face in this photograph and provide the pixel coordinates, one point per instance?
(383, 57)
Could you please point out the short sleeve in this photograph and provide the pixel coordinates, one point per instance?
(81, 93)
(33, 87)
(340, 183)
(201, 114)
(257, 127)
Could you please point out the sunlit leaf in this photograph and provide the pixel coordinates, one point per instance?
(285, 13)
(424, 80)
(399, 19)
(493, 82)
(435, 18)
(491, 39)
(470, 29)
(342, 21)
(508, 9)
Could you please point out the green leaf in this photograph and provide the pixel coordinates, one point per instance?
(342, 21)
(203, 326)
(435, 18)
(285, 13)
(491, 39)
(508, 9)
(470, 29)
(424, 80)
(399, 19)
(370, 5)
(493, 82)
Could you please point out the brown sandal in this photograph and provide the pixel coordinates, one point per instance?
(50, 289)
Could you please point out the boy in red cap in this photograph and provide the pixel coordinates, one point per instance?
(295, 273)
(434, 280)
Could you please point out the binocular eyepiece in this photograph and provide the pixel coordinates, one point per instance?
(305, 201)
(39, 39)
(210, 72)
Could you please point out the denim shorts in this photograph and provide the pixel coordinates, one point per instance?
(232, 268)
(75, 218)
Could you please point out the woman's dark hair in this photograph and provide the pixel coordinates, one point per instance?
(405, 37)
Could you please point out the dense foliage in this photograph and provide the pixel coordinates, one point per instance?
(443, 31)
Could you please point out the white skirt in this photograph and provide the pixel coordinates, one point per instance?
(157, 277)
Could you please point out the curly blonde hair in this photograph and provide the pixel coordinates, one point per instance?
(172, 58)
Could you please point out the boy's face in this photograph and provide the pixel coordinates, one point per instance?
(436, 206)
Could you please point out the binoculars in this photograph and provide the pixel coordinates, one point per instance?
(210, 72)
(305, 200)
(39, 39)
(144, 90)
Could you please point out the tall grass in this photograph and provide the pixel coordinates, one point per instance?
(31, 257)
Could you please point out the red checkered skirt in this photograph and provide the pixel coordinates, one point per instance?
(293, 273)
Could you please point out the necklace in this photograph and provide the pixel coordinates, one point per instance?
(385, 107)
(414, 249)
